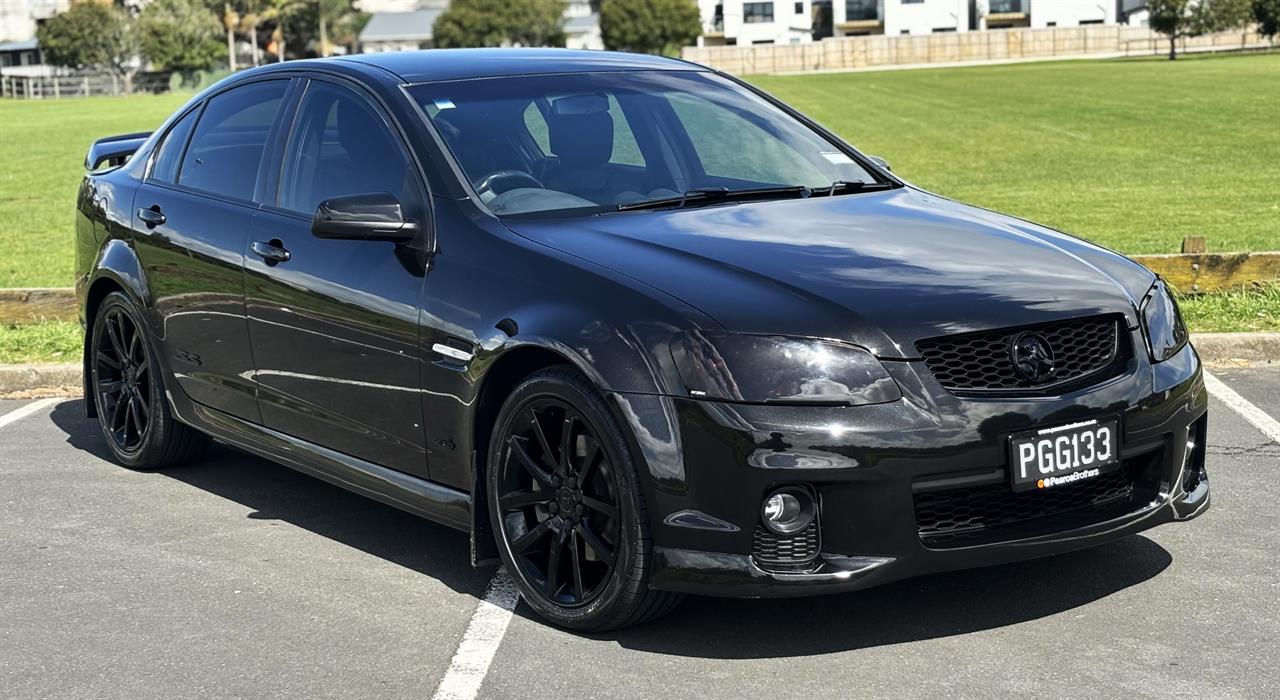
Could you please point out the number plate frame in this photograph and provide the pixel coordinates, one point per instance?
(1067, 447)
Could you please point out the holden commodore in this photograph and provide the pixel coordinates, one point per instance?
(637, 327)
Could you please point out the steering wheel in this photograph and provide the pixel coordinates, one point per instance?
(489, 183)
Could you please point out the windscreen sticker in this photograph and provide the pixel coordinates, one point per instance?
(837, 157)
(444, 103)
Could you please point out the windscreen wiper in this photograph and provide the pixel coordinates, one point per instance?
(850, 186)
(703, 195)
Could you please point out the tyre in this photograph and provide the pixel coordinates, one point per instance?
(129, 392)
(567, 510)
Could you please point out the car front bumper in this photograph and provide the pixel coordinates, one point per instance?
(711, 464)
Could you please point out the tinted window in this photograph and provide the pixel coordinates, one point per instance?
(340, 146)
(226, 148)
(170, 151)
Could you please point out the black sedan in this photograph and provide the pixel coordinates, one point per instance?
(637, 327)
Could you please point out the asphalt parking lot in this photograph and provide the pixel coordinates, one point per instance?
(237, 577)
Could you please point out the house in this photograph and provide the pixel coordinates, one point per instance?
(734, 22)
(406, 25)
(21, 58)
(19, 51)
(18, 18)
(398, 31)
(894, 17)
(1005, 14)
(582, 27)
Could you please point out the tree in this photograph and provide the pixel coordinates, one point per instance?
(231, 22)
(649, 26)
(180, 35)
(1267, 14)
(90, 35)
(1184, 18)
(280, 12)
(500, 23)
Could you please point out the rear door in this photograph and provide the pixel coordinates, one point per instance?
(191, 221)
(335, 325)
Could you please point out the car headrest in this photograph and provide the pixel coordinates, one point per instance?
(581, 140)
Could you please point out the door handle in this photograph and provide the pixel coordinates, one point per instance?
(272, 251)
(151, 216)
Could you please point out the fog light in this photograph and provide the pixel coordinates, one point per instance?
(787, 510)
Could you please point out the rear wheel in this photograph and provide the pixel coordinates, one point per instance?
(129, 395)
(567, 509)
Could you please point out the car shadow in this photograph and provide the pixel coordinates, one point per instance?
(917, 609)
(928, 607)
(276, 492)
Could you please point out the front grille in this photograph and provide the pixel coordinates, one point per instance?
(980, 362)
(995, 512)
(774, 551)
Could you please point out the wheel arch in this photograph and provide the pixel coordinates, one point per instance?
(500, 378)
(116, 270)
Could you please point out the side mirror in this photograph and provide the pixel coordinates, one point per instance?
(376, 216)
(880, 162)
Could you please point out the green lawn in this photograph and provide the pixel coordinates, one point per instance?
(1133, 154)
(42, 148)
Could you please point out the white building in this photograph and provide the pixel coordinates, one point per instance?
(1072, 13)
(893, 17)
(18, 17)
(582, 27)
(734, 22)
(1002, 14)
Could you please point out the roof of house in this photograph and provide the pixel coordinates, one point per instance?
(24, 45)
(400, 26)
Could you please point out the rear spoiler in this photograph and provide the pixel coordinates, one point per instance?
(114, 151)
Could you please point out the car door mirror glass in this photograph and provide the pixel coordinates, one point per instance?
(375, 216)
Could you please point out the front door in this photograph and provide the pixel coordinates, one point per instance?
(334, 323)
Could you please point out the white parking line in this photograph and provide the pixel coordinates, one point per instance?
(18, 414)
(1260, 420)
(475, 652)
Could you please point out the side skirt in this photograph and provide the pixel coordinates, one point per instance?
(430, 500)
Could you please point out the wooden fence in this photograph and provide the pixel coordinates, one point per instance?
(53, 87)
(846, 53)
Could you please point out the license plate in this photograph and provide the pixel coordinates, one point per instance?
(1066, 454)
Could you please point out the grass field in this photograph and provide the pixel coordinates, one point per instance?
(42, 147)
(1133, 154)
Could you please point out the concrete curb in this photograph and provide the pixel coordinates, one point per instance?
(1216, 349)
(1237, 349)
(24, 378)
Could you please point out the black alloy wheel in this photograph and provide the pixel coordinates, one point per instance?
(129, 392)
(559, 502)
(567, 509)
(122, 381)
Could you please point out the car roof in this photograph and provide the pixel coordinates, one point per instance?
(455, 64)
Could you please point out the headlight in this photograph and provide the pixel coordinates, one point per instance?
(1162, 323)
(776, 369)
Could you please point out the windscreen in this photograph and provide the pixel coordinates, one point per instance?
(588, 142)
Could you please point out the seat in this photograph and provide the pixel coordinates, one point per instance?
(583, 145)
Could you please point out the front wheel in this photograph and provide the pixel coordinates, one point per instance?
(567, 509)
(129, 395)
